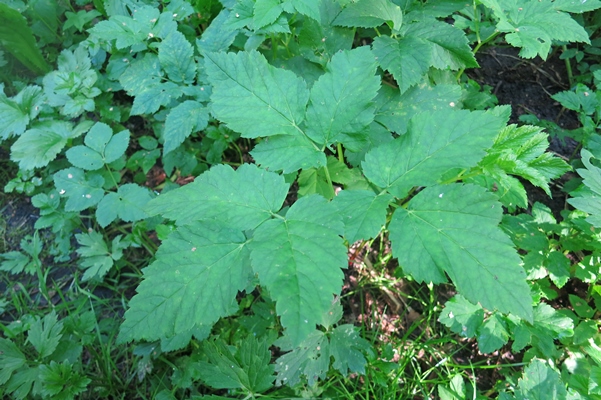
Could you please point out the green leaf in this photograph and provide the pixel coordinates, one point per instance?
(82, 190)
(96, 259)
(177, 58)
(371, 14)
(533, 26)
(341, 99)
(462, 316)
(540, 382)
(143, 79)
(194, 266)
(59, 381)
(395, 110)
(21, 382)
(449, 47)
(589, 202)
(253, 97)
(102, 147)
(314, 181)
(348, 348)
(492, 335)
(38, 146)
(218, 36)
(558, 266)
(45, 334)
(266, 12)
(17, 38)
(288, 153)
(310, 359)
(11, 359)
(453, 229)
(184, 119)
(248, 368)
(407, 59)
(309, 8)
(17, 112)
(127, 204)
(15, 262)
(128, 31)
(435, 143)
(298, 259)
(363, 213)
(243, 198)
(548, 326)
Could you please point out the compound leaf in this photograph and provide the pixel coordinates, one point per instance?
(11, 359)
(127, 203)
(453, 229)
(242, 198)
(17, 112)
(198, 271)
(341, 99)
(187, 117)
(434, 143)
(348, 348)
(298, 259)
(363, 213)
(589, 202)
(253, 97)
(310, 359)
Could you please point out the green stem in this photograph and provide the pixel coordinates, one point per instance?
(340, 153)
(568, 67)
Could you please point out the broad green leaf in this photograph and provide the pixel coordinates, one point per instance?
(407, 59)
(455, 391)
(448, 45)
(434, 144)
(299, 259)
(533, 26)
(492, 335)
(309, 8)
(128, 31)
(558, 266)
(143, 79)
(310, 359)
(371, 14)
(288, 153)
(127, 204)
(21, 382)
(540, 382)
(194, 266)
(462, 316)
(314, 181)
(17, 38)
(453, 229)
(266, 12)
(38, 146)
(242, 199)
(11, 359)
(177, 58)
(341, 99)
(82, 190)
(589, 202)
(395, 110)
(363, 213)
(348, 348)
(184, 119)
(253, 97)
(320, 39)
(578, 99)
(248, 368)
(45, 334)
(218, 36)
(17, 112)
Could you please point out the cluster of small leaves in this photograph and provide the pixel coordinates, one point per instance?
(49, 366)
